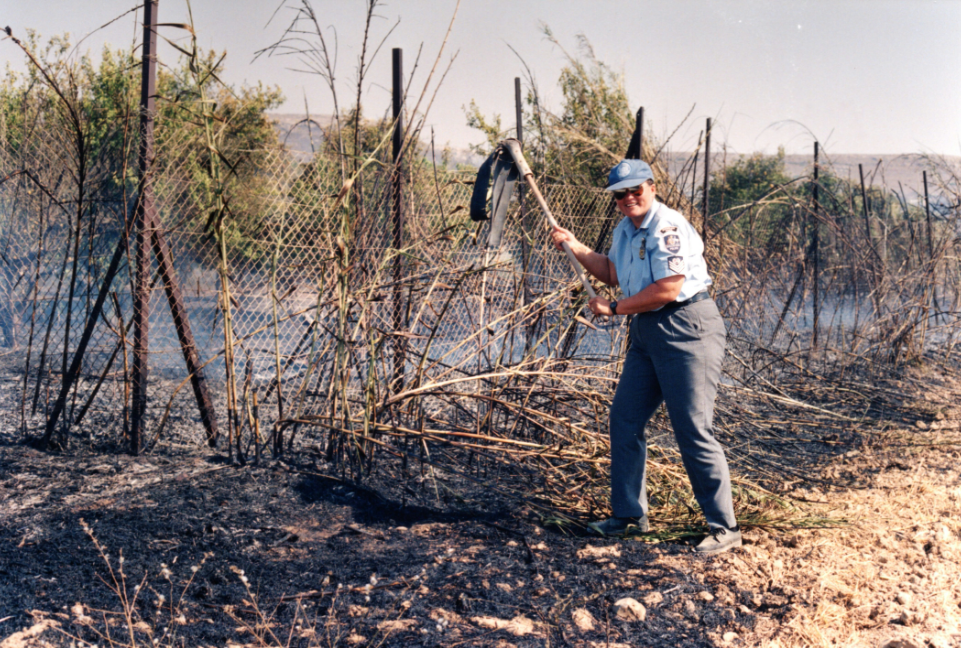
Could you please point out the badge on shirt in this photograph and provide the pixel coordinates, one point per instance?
(643, 251)
(676, 264)
(673, 243)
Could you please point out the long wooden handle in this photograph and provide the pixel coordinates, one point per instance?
(515, 149)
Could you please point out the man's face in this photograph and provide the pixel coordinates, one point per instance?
(635, 204)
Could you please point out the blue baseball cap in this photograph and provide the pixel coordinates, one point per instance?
(629, 173)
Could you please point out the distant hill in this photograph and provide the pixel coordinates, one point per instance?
(905, 169)
(879, 170)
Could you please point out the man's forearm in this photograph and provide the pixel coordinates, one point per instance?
(598, 265)
(652, 297)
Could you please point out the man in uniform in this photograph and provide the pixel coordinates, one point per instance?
(677, 345)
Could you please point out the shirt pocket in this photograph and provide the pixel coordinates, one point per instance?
(640, 265)
(640, 276)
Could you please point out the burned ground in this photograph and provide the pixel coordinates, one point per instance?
(332, 563)
(352, 563)
(297, 553)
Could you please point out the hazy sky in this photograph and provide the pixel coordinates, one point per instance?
(862, 76)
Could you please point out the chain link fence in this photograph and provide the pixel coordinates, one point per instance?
(314, 329)
(291, 238)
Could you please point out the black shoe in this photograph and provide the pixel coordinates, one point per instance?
(719, 540)
(616, 527)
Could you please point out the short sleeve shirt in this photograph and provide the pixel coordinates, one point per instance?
(665, 244)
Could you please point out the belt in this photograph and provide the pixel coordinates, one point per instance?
(681, 304)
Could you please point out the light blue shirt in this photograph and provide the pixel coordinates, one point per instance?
(665, 244)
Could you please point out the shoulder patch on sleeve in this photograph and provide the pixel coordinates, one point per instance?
(676, 264)
(673, 243)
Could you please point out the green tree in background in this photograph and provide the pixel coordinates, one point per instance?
(242, 139)
(594, 126)
(579, 144)
(94, 124)
(751, 198)
(748, 180)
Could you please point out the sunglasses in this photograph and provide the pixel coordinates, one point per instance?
(621, 194)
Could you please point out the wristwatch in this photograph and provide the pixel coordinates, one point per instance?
(613, 306)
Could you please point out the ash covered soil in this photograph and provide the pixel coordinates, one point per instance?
(290, 554)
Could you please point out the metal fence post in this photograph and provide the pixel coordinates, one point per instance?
(525, 246)
(934, 267)
(639, 129)
(188, 346)
(398, 204)
(144, 218)
(816, 253)
(707, 181)
(634, 150)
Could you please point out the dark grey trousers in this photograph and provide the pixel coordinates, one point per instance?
(675, 357)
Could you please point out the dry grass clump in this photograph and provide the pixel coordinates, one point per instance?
(148, 612)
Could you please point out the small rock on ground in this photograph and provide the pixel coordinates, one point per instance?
(653, 599)
(583, 619)
(630, 610)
